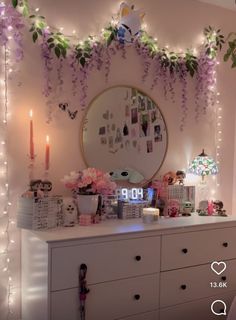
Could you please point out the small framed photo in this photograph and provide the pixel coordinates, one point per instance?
(134, 115)
(141, 103)
(149, 146)
(144, 127)
(153, 116)
(149, 104)
(102, 131)
(103, 140)
(157, 133)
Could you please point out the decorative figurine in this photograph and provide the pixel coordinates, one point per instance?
(69, 210)
(210, 208)
(46, 187)
(187, 208)
(173, 208)
(127, 174)
(129, 26)
(180, 176)
(34, 190)
(160, 204)
(35, 186)
(218, 208)
(169, 178)
(203, 208)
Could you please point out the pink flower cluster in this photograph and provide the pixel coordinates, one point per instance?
(89, 181)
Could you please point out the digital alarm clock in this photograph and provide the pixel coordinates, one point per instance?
(132, 201)
(131, 194)
(134, 194)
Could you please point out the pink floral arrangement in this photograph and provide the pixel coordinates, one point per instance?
(89, 181)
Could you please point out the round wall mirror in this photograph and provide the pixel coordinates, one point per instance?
(124, 133)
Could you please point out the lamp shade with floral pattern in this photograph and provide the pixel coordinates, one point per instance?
(203, 165)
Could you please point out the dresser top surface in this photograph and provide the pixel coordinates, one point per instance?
(135, 226)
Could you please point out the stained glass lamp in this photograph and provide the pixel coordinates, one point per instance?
(203, 165)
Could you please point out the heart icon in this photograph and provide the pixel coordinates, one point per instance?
(218, 267)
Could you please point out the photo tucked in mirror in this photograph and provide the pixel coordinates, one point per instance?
(124, 133)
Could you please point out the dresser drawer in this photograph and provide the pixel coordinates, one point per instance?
(108, 301)
(194, 248)
(198, 310)
(105, 261)
(192, 283)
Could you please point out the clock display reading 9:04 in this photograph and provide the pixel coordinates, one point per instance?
(132, 194)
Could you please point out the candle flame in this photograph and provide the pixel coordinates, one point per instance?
(47, 139)
(31, 113)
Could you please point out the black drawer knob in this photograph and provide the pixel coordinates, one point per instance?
(137, 296)
(223, 278)
(185, 250)
(225, 244)
(183, 287)
(138, 258)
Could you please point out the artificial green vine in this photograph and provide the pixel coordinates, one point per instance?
(38, 24)
(60, 44)
(214, 41)
(23, 5)
(110, 34)
(83, 51)
(231, 52)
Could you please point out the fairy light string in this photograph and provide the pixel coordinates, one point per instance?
(5, 213)
(218, 136)
(5, 216)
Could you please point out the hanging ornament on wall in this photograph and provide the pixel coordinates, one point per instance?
(129, 26)
(64, 106)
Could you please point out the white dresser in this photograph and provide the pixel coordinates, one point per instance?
(135, 271)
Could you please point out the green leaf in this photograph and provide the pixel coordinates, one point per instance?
(32, 29)
(232, 44)
(57, 52)
(86, 55)
(110, 39)
(15, 3)
(35, 36)
(39, 31)
(191, 71)
(63, 52)
(60, 46)
(42, 24)
(234, 64)
(50, 40)
(51, 46)
(32, 16)
(82, 61)
(25, 11)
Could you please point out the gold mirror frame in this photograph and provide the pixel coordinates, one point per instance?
(121, 182)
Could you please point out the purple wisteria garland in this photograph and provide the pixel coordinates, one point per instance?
(166, 69)
(11, 25)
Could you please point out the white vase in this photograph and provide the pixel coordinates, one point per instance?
(87, 204)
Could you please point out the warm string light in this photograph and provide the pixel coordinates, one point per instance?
(5, 220)
(218, 129)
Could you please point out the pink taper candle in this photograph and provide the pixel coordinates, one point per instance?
(31, 136)
(47, 154)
